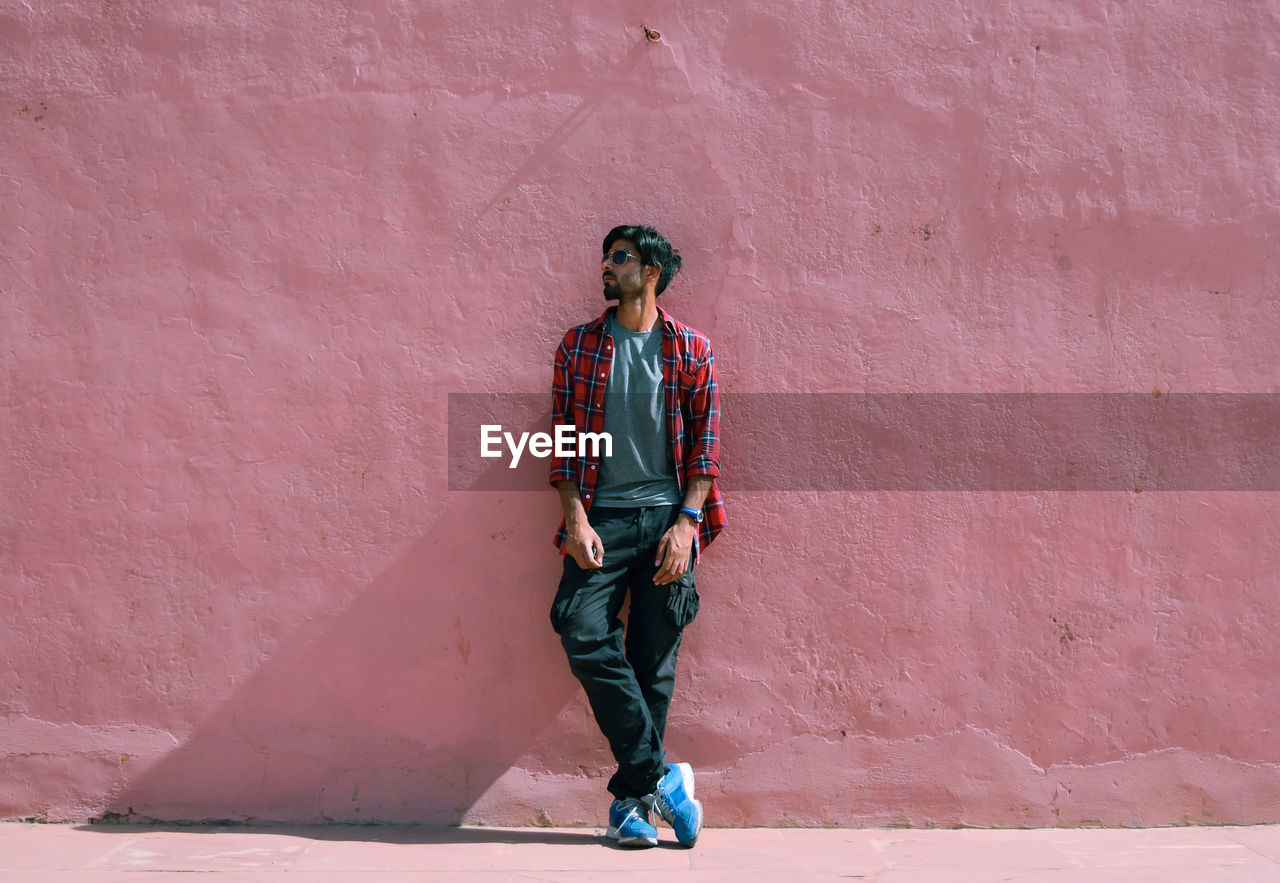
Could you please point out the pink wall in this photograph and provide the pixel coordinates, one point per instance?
(250, 248)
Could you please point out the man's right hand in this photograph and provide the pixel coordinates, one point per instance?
(580, 540)
(585, 546)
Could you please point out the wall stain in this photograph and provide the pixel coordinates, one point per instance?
(1067, 635)
(464, 645)
(35, 112)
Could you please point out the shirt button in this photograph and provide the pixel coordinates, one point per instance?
(593, 466)
(601, 373)
(588, 496)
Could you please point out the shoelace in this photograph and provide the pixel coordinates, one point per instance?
(633, 806)
(664, 809)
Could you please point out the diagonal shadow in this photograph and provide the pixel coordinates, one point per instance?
(551, 145)
(407, 705)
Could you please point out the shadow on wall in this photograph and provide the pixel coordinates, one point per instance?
(409, 704)
(423, 691)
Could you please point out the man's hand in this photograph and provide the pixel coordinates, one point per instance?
(581, 541)
(674, 550)
(585, 545)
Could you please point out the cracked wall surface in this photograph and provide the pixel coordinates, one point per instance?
(250, 250)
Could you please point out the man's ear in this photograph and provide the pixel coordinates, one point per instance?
(653, 271)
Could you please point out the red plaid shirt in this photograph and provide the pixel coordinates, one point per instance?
(581, 371)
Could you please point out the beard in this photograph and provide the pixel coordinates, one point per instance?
(612, 290)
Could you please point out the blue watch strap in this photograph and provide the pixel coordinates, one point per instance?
(695, 514)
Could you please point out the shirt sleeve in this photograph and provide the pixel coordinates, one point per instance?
(562, 468)
(703, 457)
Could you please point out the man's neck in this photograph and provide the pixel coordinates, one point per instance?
(638, 314)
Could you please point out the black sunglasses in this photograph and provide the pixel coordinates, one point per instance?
(621, 256)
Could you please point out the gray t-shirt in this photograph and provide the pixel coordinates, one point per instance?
(641, 471)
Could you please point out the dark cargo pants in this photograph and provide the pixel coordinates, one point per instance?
(628, 681)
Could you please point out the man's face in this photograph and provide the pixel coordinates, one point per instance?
(626, 280)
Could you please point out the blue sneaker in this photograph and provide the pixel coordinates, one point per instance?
(674, 803)
(629, 823)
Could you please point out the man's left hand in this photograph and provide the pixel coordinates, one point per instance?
(674, 551)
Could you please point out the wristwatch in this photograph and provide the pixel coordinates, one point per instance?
(695, 514)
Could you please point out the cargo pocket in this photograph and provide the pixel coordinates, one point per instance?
(566, 601)
(682, 600)
(562, 609)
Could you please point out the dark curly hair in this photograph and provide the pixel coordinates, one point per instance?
(653, 247)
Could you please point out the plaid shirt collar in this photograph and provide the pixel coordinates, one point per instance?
(600, 325)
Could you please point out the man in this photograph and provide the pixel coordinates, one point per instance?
(635, 520)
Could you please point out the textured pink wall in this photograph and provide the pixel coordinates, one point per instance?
(249, 249)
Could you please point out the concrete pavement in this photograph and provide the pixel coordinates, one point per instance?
(118, 853)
